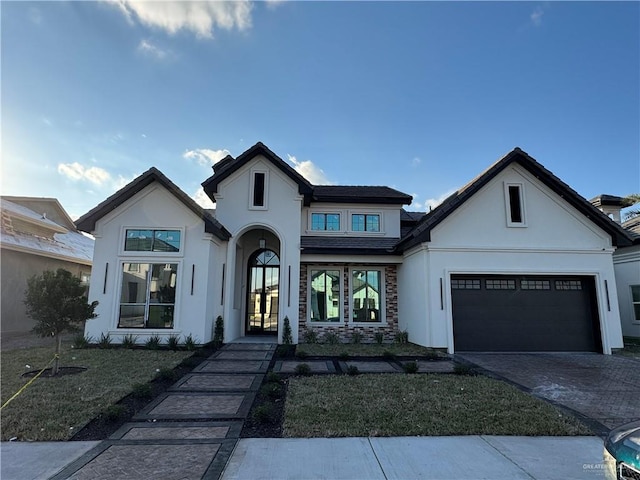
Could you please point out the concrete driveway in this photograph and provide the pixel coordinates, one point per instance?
(603, 388)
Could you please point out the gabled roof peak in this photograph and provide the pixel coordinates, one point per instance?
(422, 231)
(88, 221)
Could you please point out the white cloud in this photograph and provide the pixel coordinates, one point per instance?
(75, 171)
(147, 48)
(273, 4)
(429, 203)
(35, 15)
(415, 161)
(536, 16)
(124, 181)
(203, 200)
(200, 18)
(206, 156)
(310, 171)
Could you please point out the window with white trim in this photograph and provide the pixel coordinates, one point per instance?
(515, 207)
(325, 222)
(259, 188)
(148, 295)
(325, 294)
(635, 300)
(365, 222)
(367, 295)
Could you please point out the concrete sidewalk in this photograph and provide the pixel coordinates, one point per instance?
(38, 460)
(468, 457)
(451, 458)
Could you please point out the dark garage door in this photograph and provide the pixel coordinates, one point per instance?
(505, 313)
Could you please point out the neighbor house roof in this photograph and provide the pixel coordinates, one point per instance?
(422, 231)
(633, 228)
(60, 243)
(359, 194)
(88, 221)
(47, 207)
(228, 165)
(311, 193)
(348, 245)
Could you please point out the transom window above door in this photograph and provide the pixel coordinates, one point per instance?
(141, 240)
(325, 222)
(365, 222)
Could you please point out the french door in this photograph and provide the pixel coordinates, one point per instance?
(263, 293)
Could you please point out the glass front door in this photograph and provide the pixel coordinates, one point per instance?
(262, 301)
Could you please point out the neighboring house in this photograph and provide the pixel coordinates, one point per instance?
(514, 261)
(626, 264)
(36, 235)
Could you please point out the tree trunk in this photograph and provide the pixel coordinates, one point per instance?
(56, 362)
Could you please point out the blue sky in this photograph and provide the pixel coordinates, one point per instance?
(421, 96)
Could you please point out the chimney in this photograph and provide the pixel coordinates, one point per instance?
(610, 205)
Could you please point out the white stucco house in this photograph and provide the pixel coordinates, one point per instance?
(626, 264)
(514, 261)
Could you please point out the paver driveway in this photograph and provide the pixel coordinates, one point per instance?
(604, 388)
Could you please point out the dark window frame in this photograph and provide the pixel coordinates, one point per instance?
(259, 182)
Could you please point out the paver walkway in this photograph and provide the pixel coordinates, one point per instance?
(190, 431)
(603, 388)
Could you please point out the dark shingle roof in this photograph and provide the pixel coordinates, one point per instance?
(228, 165)
(632, 226)
(360, 194)
(311, 193)
(348, 245)
(87, 222)
(422, 231)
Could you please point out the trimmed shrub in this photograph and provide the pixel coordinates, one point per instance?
(105, 341)
(410, 367)
(310, 336)
(218, 333)
(379, 338)
(287, 338)
(153, 342)
(353, 370)
(129, 341)
(173, 342)
(81, 342)
(356, 337)
(331, 338)
(402, 337)
(303, 369)
(189, 343)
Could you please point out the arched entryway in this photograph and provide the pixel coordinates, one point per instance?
(263, 293)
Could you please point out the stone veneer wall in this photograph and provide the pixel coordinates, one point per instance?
(346, 329)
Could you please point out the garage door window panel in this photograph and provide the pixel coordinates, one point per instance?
(535, 285)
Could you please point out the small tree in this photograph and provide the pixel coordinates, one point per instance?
(56, 301)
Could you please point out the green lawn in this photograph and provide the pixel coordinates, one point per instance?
(365, 349)
(54, 408)
(400, 404)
